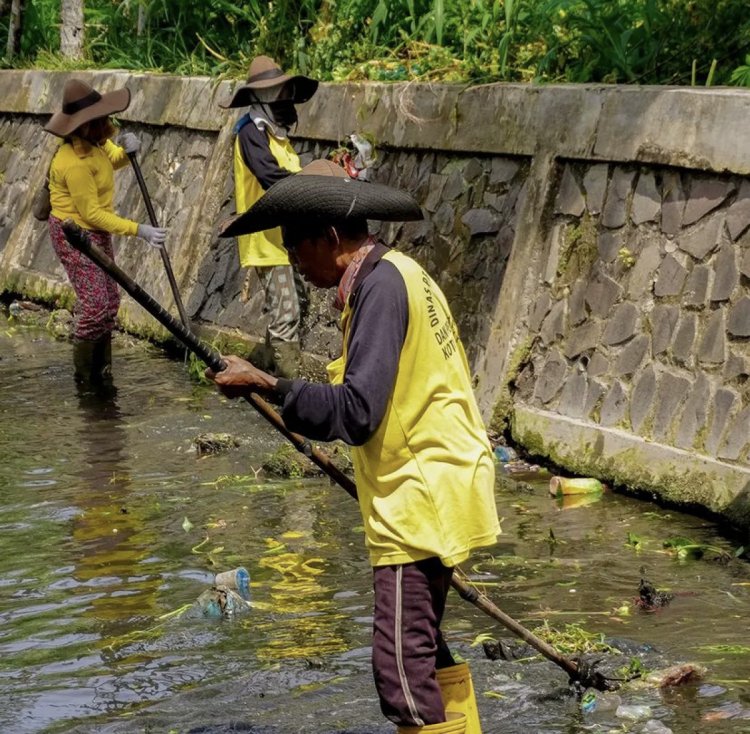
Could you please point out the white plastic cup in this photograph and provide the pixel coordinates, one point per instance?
(237, 578)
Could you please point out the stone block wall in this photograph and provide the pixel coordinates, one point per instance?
(592, 241)
(643, 317)
(471, 207)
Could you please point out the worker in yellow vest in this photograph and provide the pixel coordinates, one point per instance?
(401, 396)
(263, 155)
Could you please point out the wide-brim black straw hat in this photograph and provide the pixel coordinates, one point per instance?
(322, 193)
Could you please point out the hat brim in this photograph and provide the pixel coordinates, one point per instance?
(322, 200)
(63, 125)
(304, 88)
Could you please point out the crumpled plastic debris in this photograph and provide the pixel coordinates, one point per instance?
(356, 157)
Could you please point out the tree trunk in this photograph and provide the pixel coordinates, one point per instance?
(14, 28)
(142, 19)
(71, 29)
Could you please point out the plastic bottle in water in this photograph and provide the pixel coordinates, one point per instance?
(237, 578)
(221, 602)
(504, 454)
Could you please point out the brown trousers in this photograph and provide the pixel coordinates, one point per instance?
(407, 645)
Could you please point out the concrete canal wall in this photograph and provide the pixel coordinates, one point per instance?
(594, 243)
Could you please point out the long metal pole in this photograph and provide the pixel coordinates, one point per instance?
(163, 250)
(78, 239)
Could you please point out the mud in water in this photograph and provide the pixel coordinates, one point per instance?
(111, 520)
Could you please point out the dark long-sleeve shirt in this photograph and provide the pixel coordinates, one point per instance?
(258, 157)
(353, 410)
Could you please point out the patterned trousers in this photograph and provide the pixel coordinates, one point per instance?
(97, 296)
(285, 298)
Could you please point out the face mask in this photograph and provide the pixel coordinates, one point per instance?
(284, 113)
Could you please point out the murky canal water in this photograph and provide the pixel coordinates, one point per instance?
(109, 521)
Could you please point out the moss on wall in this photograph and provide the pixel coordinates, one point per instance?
(670, 477)
(579, 251)
(503, 409)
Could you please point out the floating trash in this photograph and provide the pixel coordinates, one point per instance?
(729, 710)
(599, 702)
(237, 578)
(504, 454)
(654, 726)
(523, 471)
(561, 486)
(588, 702)
(220, 602)
(650, 598)
(215, 443)
(676, 675)
(632, 712)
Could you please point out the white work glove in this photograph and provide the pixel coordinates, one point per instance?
(130, 143)
(155, 236)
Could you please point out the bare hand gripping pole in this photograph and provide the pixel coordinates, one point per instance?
(585, 675)
(163, 250)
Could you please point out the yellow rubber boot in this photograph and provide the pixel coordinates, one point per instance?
(458, 694)
(456, 724)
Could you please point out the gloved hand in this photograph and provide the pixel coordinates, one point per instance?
(155, 236)
(130, 142)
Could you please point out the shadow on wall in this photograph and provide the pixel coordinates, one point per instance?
(738, 511)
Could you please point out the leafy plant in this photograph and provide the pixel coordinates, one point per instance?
(685, 548)
(634, 669)
(196, 368)
(741, 75)
(633, 41)
(634, 541)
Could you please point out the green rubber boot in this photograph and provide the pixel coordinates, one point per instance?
(287, 357)
(83, 360)
(261, 357)
(102, 362)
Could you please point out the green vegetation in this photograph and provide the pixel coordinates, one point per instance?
(573, 639)
(684, 549)
(621, 41)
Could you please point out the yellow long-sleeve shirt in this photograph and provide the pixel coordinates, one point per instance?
(82, 186)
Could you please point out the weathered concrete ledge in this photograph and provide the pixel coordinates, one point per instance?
(673, 126)
(616, 456)
(667, 125)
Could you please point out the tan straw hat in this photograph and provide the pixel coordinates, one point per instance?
(322, 193)
(82, 103)
(265, 73)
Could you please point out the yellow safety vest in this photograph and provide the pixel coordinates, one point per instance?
(426, 478)
(261, 248)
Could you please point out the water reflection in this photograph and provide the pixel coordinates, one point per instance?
(109, 533)
(93, 497)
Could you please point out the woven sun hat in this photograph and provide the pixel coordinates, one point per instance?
(265, 73)
(321, 193)
(82, 103)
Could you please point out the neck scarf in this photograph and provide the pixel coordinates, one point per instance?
(347, 279)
